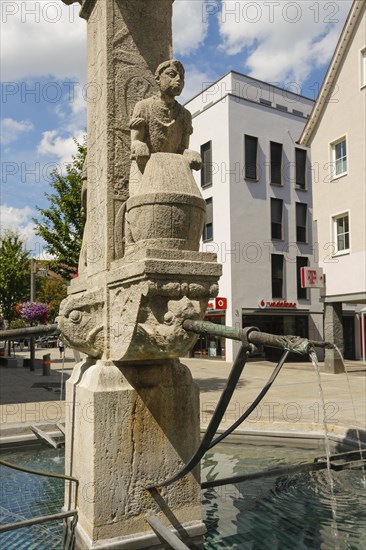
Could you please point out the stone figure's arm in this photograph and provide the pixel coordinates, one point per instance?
(139, 148)
(193, 157)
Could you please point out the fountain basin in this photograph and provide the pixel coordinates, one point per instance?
(287, 511)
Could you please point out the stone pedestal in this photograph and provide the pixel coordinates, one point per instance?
(333, 332)
(131, 426)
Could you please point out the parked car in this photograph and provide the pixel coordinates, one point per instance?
(46, 342)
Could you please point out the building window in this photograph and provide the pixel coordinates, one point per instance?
(208, 228)
(206, 171)
(339, 154)
(265, 102)
(341, 232)
(301, 222)
(300, 168)
(276, 218)
(282, 108)
(276, 163)
(363, 68)
(250, 152)
(302, 293)
(277, 275)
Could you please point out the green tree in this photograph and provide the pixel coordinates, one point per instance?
(62, 224)
(14, 274)
(51, 291)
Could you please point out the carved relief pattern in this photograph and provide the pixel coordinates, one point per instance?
(146, 321)
(133, 81)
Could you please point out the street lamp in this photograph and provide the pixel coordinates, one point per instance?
(32, 341)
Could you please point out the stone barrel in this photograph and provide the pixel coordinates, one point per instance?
(165, 209)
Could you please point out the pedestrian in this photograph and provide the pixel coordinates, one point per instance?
(61, 347)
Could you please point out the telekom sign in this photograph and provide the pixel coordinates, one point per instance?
(312, 277)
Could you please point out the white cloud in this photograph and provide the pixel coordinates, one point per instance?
(20, 220)
(11, 129)
(195, 82)
(190, 26)
(52, 143)
(41, 39)
(284, 40)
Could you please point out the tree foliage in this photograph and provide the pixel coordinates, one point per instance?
(51, 291)
(14, 274)
(62, 224)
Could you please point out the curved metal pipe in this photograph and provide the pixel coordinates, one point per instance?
(256, 402)
(221, 407)
(294, 344)
(29, 331)
(43, 474)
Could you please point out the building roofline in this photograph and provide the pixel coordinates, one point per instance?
(251, 78)
(239, 98)
(273, 86)
(338, 55)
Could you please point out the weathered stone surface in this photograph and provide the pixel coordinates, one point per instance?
(147, 324)
(134, 417)
(147, 295)
(121, 65)
(165, 209)
(136, 426)
(333, 332)
(82, 322)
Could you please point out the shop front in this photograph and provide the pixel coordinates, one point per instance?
(212, 347)
(278, 318)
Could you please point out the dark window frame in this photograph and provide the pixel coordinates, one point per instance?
(302, 293)
(277, 276)
(250, 165)
(301, 228)
(206, 170)
(301, 168)
(276, 162)
(276, 221)
(208, 227)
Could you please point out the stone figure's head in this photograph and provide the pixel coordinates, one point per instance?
(170, 77)
(81, 323)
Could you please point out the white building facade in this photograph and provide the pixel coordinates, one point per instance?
(256, 181)
(336, 133)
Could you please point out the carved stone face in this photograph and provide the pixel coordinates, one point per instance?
(81, 324)
(159, 329)
(171, 82)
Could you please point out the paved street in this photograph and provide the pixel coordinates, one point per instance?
(291, 405)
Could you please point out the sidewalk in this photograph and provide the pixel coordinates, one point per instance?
(291, 405)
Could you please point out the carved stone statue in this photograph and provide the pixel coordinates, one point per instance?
(165, 209)
(160, 124)
(161, 278)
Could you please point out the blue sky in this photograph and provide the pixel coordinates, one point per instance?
(43, 73)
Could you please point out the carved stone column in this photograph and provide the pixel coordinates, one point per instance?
(127, 39)
(133, 414)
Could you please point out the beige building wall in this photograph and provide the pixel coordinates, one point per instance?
(343, 116)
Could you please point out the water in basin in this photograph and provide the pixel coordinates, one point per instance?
(285, 512)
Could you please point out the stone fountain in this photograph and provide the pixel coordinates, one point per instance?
(133, 409)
